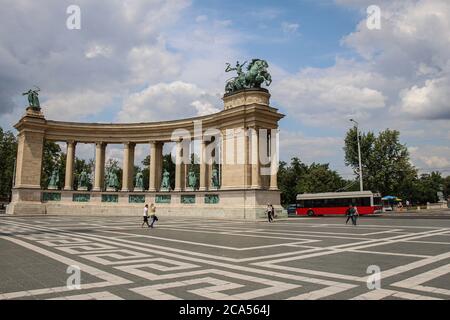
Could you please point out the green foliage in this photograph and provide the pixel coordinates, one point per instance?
(299, 178)
(320, 178)
(385, 162)
(425, 188)
(8, 151)
(52, 158)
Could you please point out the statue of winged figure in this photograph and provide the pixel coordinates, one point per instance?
(33, 98)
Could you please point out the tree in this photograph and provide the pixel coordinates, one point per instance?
(299, 178)
(288, 177)
(319, 178)
(426, 187)
(446, 184)
(52, 158)
(8, 151)
(385, 162)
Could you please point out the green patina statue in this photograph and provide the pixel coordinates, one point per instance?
(54, 179)
(83, 180)
(192, 179)
(165, 184)
(256, 75)
(33, 99)
(139, 183)
(215, 178)
(113, 181)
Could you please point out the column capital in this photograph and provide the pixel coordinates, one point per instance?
(100, 143)
(129, 144)
(71, 142)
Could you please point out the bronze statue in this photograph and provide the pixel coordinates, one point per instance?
(33, 99)
(165, 184)
(256, 75)
(139, 183)
(192, 179)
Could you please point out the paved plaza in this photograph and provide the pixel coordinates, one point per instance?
(299, 258)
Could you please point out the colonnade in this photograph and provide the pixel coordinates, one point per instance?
(251, 161)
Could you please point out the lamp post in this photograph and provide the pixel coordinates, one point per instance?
(359, 155)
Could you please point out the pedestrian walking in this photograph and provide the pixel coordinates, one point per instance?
(355, 215)
(153, 215)
(269, 212)
(351, 213)
(145, 216)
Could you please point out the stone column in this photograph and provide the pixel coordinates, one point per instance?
(68, 184)
(178, 167)
(131, 168)
(29, 159)
(273, 163)
(99, 166)
(203, 166)
(127, 170)
(153, 165)
(256, 179)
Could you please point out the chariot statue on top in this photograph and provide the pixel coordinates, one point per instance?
(256, 75)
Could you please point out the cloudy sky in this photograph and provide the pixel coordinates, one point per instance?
(149, 60)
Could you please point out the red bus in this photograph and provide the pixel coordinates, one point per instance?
(316, 204)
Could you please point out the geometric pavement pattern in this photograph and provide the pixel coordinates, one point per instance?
(191, 258)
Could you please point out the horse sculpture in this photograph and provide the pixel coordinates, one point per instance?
(256, 75)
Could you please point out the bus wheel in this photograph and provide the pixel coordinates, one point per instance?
(310, 213)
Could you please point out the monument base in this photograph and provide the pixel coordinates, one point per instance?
(225, 204)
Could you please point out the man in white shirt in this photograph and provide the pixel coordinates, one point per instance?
(145, 216)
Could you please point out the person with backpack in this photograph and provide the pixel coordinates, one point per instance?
(153, 214)
(351, 213)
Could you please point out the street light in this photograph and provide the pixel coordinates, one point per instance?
(359, 155)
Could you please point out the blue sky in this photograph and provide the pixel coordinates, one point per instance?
(155, 60)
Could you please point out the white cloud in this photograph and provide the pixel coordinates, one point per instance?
(428, 157)
(75, 106)
(314, 95)
(152, 64)
(288, 27)
(201, 18)
(431, 101)
(166, 101)
(309, 149)
(97, 50)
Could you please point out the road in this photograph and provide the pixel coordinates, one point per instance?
(307, 258)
